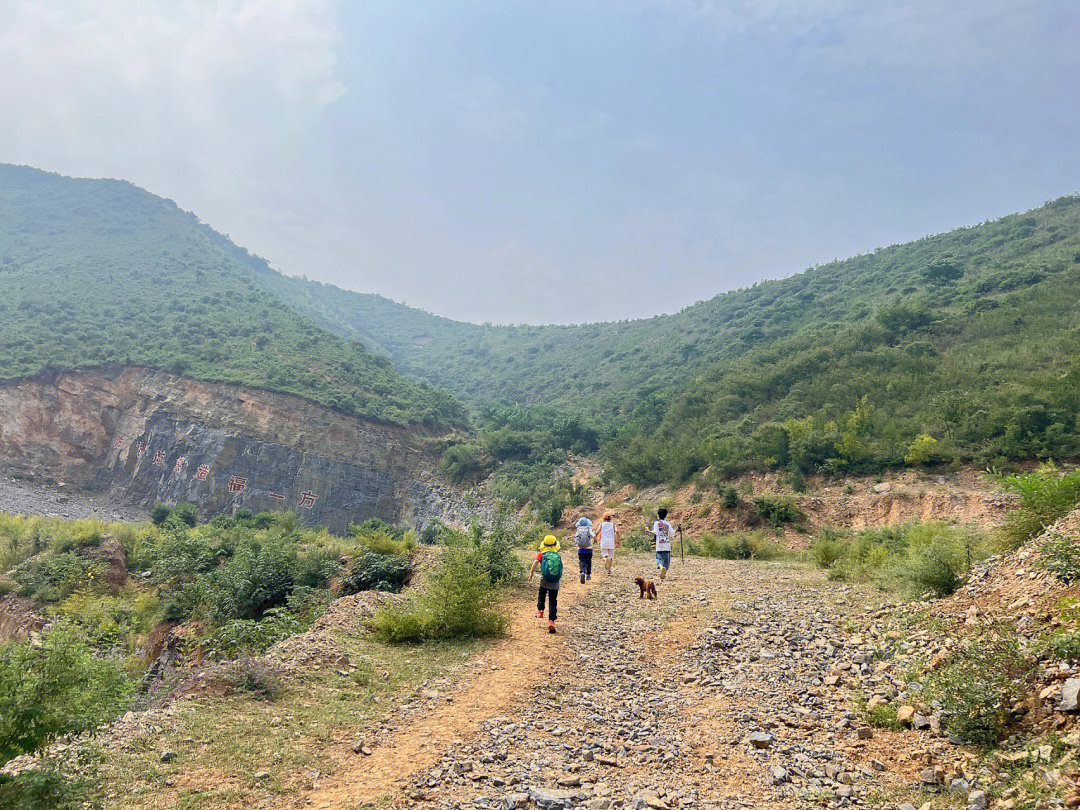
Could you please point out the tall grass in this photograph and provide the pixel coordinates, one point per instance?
(916, 558)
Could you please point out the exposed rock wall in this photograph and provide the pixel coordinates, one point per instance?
(144, 436)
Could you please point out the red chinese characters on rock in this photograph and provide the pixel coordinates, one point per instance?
(119, 442)
(159, 458)
(203, 472)
(276, 496)
(237, 483)
(180, 462)
(307, 499)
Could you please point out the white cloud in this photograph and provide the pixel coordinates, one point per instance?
(198, 100)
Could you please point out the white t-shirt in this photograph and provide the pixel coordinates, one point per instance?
(662, 531)
(607, 535)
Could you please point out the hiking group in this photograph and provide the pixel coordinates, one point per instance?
(549, 560)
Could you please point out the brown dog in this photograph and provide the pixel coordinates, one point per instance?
(647, 586)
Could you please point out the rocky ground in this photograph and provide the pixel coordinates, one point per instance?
(19, 497)
(724, 693)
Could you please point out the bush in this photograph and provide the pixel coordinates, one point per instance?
(1045, 496)
(827, 548)
(258, 577)
(250, 637)
(1060, 554)
(53, 688)
(462, 462)
(186, 513)
(923, 450)
(256, 676)
(916, 558)
(743, 546)
(459, 602)
(497, 549)
(935, 569)
(53, 577)
(372, 571)
(44, 787)
(777, 510)
(978, 686)
(159, 513)
(181, 555)
(729, 496)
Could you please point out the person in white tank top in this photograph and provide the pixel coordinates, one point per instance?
(608, 533)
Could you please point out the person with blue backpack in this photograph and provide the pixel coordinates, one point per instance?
(550, 563)
(583, 537)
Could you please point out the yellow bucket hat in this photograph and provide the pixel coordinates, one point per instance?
(550, 544)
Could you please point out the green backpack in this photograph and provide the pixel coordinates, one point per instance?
(551, 566)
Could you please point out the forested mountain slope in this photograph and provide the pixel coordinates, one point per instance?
(970, 337)
(97, 272)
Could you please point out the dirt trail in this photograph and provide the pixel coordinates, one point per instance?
(499, 678)
(730, 691)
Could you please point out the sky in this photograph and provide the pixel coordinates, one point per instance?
(537, 162)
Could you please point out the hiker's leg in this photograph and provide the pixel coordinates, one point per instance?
(553, 603)
(663, 574)
(588, 564)
(540, 599)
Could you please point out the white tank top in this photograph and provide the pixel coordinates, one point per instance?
(607, 533)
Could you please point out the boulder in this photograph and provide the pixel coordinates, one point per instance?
(1070, 695)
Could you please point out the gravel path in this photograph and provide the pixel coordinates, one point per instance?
(714, 696)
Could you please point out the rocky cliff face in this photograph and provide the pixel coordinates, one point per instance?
(144, 436)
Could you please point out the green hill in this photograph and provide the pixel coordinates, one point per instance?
(970, 337)
(99, 271)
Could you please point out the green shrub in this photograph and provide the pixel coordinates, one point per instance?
(639, 539)
(777, 510)
(458, 602)
(978, 686)
(257, 577)
(106, 621)
(923, 450)
(188, 513)
(827, 548)
(159, 513)
(462, 462)
(45, 787)
(935, 569)
(729, 496)
(1060, 554)
(251, 636)
(53, 688)
(181, 555)
(53, 577)
(317, 567)
(497, 549)
(1045, 496)
(372, 571)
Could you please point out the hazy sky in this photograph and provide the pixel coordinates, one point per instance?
(513, 161)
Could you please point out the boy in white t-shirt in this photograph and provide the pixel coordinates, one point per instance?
(608, 533)
(663, 532)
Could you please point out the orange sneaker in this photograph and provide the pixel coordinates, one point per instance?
(551, 627)
(539, 614)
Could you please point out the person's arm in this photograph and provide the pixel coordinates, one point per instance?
(618, 542)
(533, 569)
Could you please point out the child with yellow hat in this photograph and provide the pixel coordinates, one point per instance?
(550, 563)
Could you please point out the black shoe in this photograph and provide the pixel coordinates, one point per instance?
(582, 579)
